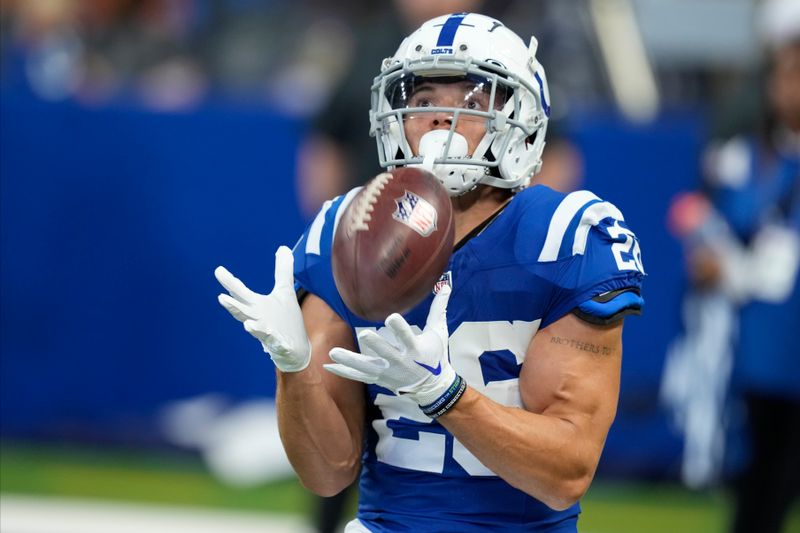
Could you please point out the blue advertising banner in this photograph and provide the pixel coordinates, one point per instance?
(113, 220)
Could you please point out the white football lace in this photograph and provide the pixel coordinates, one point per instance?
(366, 203)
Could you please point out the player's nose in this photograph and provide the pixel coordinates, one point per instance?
(441, 120)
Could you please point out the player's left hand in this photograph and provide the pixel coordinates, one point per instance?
(417, 366)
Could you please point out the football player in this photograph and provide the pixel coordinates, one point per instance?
(487, 406)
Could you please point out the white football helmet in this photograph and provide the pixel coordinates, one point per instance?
(482, 56)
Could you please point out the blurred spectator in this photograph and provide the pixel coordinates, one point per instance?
(763, 208)
(172, 55)
(95, 52)
(695, 379)
(40, 43)
(746, 246)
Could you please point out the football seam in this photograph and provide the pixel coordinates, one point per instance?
(365, 204)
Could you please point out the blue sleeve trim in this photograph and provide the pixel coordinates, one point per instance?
(608, 308)
(632, 281)
(604, 309)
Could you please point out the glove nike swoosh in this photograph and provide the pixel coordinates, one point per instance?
(435, 371)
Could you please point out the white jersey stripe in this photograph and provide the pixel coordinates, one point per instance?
(560, 221)
(315, 231)
(591, 217)
(347, 199)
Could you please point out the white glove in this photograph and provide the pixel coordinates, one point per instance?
(418, 366)
(274, 319)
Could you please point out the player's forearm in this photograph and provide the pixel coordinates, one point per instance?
(550, 458)
(321, 447)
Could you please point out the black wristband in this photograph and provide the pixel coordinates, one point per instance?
(447, 400)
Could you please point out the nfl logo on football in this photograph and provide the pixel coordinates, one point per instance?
(416, 213)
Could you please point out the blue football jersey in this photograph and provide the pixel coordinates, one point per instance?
(543, 256)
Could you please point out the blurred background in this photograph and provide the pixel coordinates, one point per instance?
(143, 143)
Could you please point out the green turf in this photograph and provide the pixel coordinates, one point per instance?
(173, 478)
(135, 475)
(622, 508)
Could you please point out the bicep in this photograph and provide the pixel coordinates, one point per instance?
(572, 372)
(327, 330)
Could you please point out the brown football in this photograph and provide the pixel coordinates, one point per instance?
(393, 243)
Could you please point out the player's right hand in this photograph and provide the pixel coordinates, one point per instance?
(274, 319)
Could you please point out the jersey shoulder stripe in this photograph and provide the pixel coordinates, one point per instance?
(575, 216)
(561, 220)
(592, 216)
(314, 235)
(319, 238)
(312, 253)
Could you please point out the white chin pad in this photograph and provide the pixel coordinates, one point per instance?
(432, 146)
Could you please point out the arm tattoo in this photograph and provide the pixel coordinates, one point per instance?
(582, 346)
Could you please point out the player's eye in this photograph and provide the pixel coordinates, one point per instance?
(472, 104)
(420, 101)
(476, 103)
